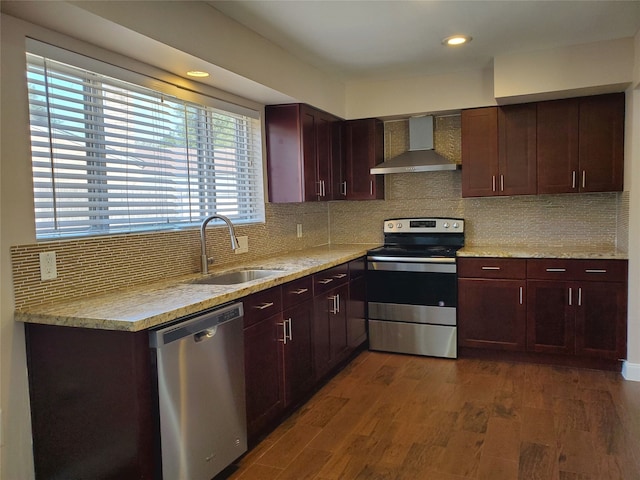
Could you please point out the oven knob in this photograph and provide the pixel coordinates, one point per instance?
(390, 225)
(455, 225)
(399, 225)
(445, 224)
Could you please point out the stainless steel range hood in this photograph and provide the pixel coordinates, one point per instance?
(421, 156)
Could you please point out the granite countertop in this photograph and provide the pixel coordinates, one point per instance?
(525, 251)
(152, 305)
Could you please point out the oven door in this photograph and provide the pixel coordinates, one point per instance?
(412, 307)
(412, 291)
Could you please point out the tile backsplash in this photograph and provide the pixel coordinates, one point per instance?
(101, 264)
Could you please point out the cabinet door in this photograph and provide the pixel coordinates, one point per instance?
(363, 150)
(356, 312)
(310, 145)
(338, 324)
(479, 152)
(601, 320)
(263, 373)
(517, 150)
(550, 316)
(601, 145)
(324, 141)
(298, 356)
(557, 146)
(492, 313)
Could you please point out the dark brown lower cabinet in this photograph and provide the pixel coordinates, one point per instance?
(584, 319)
(263, 373)
(92, 404)
(568, 310)
(298, 352)
(357, 312)
(330, 329)
(494, 313)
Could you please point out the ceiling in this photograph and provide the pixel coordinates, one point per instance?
(384, 39)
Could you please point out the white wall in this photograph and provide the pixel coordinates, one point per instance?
(631, 368)
(587, 69)
(16, 217)
(415, 95)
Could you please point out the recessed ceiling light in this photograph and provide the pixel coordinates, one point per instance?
(455, 40)
(197, 74)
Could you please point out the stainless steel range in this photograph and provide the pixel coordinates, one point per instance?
(412, 287)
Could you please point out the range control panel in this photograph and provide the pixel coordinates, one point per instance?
(424, 225)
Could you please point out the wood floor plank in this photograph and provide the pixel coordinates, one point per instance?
(536, 462)
(497, 468)
(502, 439)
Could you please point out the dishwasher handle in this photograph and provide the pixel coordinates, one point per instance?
(201, 325)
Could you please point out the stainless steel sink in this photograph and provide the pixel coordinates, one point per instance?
(235, 277)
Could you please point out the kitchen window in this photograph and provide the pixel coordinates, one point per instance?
(113, 156)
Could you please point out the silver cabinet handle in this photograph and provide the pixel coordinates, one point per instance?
(286, 327)
(580, 296)
(264, 305)
(493, 183)
(370, 187)
(336, 304)
(556, 269)
(521, 291)
(584, 179)
(490, 268)
(340, 275)
(325, 281)
(343, 188)
(595, 270)
(300, 291)
(570, 296)
(573, 179)
(502, 183)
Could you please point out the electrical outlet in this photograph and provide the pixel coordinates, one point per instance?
(48, 270)
(299, 230)
(243, 244)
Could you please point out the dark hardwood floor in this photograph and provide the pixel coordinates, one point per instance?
(397, 417)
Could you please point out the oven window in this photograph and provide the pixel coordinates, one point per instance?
(414, 288)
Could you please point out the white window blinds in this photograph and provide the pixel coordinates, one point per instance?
(110, 156)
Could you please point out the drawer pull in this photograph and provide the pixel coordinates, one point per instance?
(595, 270)
(521, 291)
(325, 281)
(556, 269)
(340, 275)
(490, 268)
(264, 305)
(570, 296)
(300, 291)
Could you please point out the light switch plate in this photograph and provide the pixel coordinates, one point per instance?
(243, 244)
(48, 270)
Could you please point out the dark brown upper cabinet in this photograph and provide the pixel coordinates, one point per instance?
(581, 144)
(300, 147)
(363, 149)
(499, 151)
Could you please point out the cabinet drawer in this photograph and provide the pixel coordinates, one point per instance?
(297, 291)
(261, 305)
(330, 278)
(492, 268)
(357, 267)
(582, 270)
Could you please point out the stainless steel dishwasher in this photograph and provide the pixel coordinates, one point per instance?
(201, 396)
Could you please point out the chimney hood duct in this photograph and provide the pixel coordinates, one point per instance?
(421, 156)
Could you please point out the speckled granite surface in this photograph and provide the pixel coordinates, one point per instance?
(542, 252)
(152, 305)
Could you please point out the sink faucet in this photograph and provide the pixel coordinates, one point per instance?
(203, 239)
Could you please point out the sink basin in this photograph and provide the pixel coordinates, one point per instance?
(238, 276)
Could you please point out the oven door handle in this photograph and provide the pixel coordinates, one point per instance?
(378, 258)
(412, 267)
